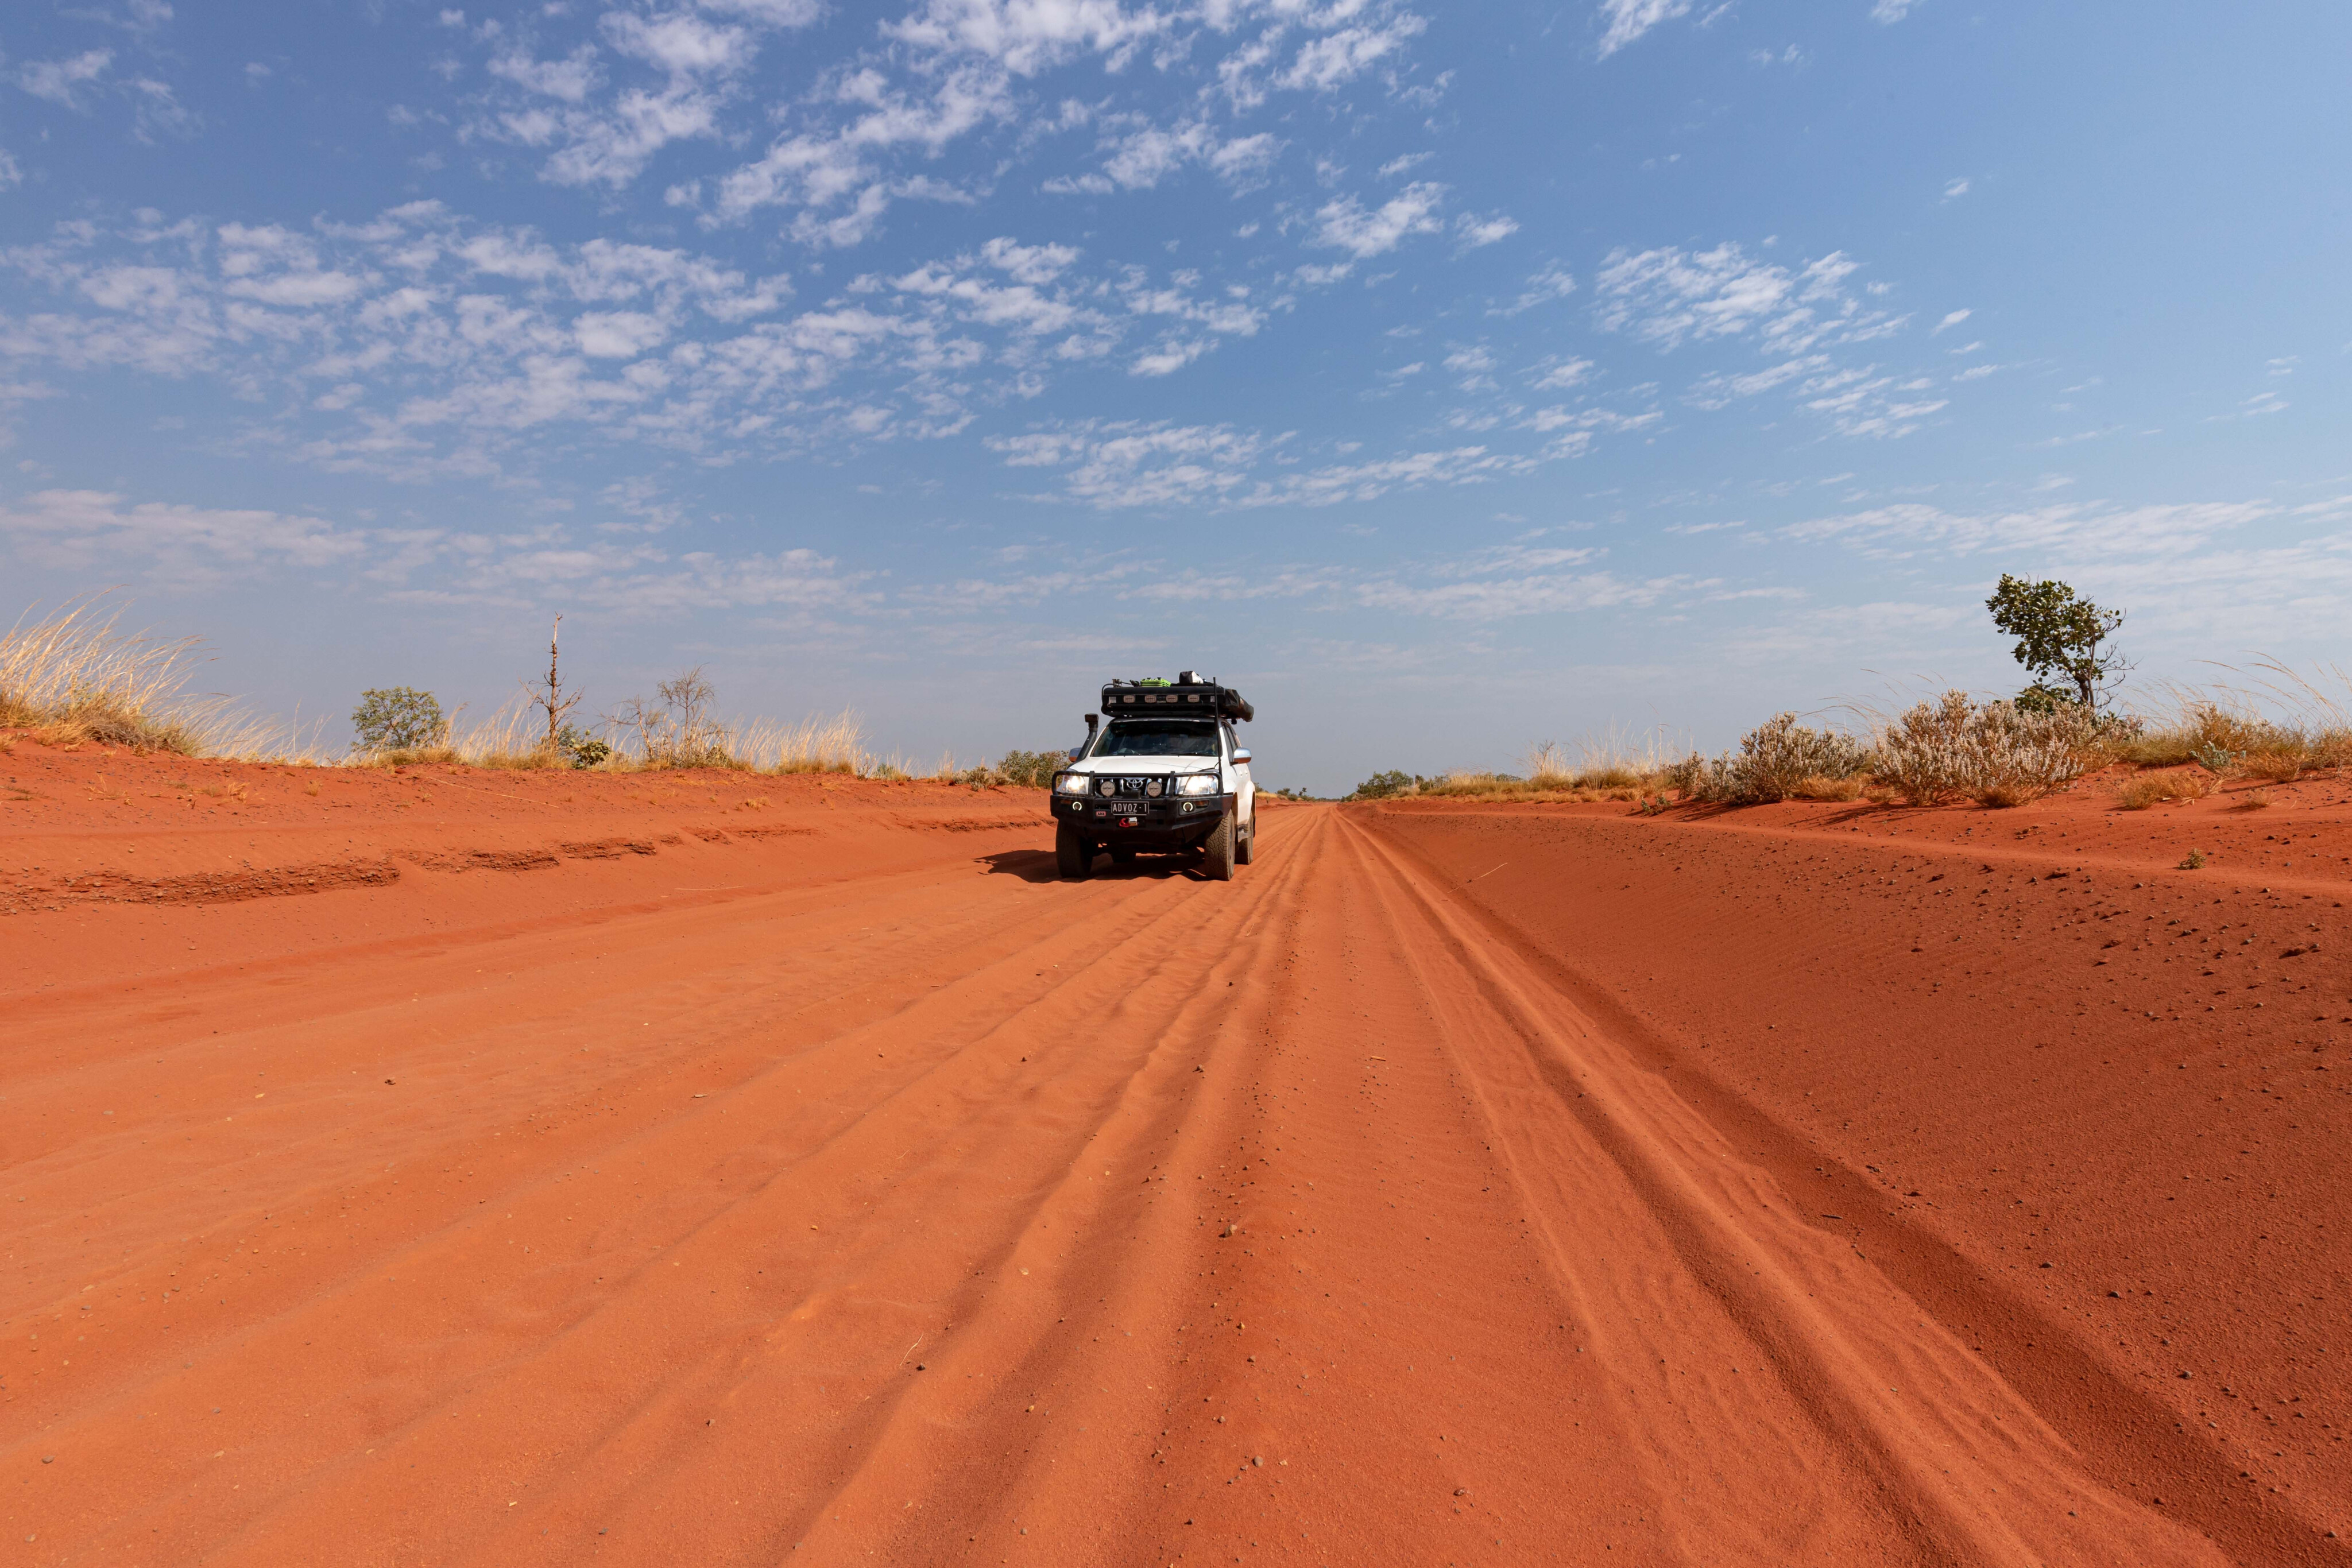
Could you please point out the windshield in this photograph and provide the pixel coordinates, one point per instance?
(1157, 738)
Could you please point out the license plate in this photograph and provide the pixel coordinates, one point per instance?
(1127, 809)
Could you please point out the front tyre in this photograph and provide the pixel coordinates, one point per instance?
(1073, 856)
(1219, 861)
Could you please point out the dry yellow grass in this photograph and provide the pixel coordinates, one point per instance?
(1600, 762)
(2276, 766)
(2142, 790)
(2267, 718)
(76, 678)
(1463, 784)
(824, 744)
(513, 737)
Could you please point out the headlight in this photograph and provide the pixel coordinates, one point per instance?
(1069, 784)
(1197, 784)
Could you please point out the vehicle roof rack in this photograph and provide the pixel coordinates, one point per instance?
(1197, 697)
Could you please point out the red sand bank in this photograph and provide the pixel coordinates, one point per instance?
(473, 1167)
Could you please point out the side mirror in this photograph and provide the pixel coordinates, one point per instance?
(1073, 752)
(1241, 753)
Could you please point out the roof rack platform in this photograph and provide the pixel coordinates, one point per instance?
(1171, 699)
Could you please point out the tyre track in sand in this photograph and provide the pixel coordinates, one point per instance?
(1964, 1466)
(943, 1217)
(833, 1013)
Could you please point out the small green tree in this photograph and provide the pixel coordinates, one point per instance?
(397, 719)
(2064, 639)
(1380, 785)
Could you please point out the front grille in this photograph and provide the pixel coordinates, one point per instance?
(1135, 787)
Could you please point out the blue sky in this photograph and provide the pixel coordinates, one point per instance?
(1449, 378)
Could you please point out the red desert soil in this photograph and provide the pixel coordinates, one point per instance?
(468, 1168)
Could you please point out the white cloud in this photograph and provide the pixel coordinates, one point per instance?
(1117, 465)
(1125, 464)
(612, 146)
(617, 334)
(1025, 37)
(1563, 373)
(1141, 156)
(821, 171)
(1626, 20)
(156, 110)
(1471, 231)
(680, 44)
(1345, 224)
(769, 13)
(1546, 421)
(2076, 439)
(1955, 189)
(11, 173)
(1892, 11)
(1171, 354)
(82, 530)
(1337, 58)
(1668, 296)
(603, 99)
(2076, 531)
(1031, 264)
(1858, 403)
(485, 333)
(1245, 159)
(61, 82)
(1952, 319)
(1719, 392)
(1474, 364)
(1551, 281)
(571, 79)
(1533, 593)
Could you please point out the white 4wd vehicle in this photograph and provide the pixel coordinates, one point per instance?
(1166, 776)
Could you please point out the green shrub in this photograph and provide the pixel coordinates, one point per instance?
(1033, 768)
(1998, 754)
(397, 719)
(1381, 786)
(1776, 761)
(581, 748)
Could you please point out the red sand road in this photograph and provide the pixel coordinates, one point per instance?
(466, 1167)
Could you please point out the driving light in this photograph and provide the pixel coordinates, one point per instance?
(1069, 784)
(1197, 784)
(1153, 788)
(1105, 786)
